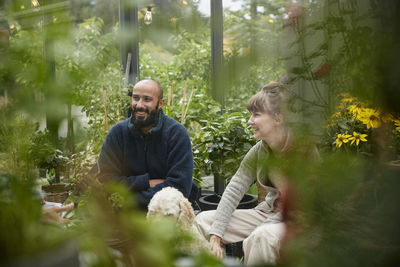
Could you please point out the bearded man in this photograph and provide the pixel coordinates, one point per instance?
(149, 150)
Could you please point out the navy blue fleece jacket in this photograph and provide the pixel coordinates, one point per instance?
(164, 153)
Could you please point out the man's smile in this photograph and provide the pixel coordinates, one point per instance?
(141, 112)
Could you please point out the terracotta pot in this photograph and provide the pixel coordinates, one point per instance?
(54, 188)
(56, 192)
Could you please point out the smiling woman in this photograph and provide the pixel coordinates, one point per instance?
(268, 109)
(261, 229)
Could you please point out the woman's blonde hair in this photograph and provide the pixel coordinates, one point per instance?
(273, 99)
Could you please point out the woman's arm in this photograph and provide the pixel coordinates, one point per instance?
(234, 192)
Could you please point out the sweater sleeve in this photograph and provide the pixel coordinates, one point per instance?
(234, 192)
(110, 163)
(179, 166)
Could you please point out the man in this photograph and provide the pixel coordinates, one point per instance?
(148, 151)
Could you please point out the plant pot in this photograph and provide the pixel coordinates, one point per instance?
(206, 192)
(55, 188)
(210, 202)
(56, 192)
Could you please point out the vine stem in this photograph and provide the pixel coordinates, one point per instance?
(105, 108)
(183, 104)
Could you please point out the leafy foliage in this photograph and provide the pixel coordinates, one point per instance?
(336, 61)
(219, 139)
(46, 156)
(335, 204)
(222, 145)
(99, 86)
(25, 236)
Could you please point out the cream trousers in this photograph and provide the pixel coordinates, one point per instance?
(261, 241)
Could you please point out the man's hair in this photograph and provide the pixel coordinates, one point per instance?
(273, 99)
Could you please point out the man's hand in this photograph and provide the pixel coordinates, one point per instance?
(154, 182)
(51, 214)
(215, 245)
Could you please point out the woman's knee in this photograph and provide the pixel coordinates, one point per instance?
(267, 233)
(203, 222)
(204, 216)
(254, 237)
(263, 244)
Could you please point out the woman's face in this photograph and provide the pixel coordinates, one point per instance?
(263, 124)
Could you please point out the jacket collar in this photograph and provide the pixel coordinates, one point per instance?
(156, 128)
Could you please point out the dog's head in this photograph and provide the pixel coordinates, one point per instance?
(170, 202)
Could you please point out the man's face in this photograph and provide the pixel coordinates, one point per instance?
(145, 104)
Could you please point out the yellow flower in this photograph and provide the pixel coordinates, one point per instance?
(357, 137)
(387, 117)
(340, 106)
(356, 109)
(335, 115)
(348, 99)
(344, 95)
(329, 125)
(342, 138)
(397, 124)
(370, 118)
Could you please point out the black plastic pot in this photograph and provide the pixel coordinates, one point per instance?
(210, 202)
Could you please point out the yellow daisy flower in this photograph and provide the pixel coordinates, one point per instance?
(370, 118)
(397, 124)
(348, 99)
(340, 106)
(344, 95)
(342, 138)
(356, 109)
(335, 115)
(357, 138)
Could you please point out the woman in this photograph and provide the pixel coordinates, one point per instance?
(261, 228)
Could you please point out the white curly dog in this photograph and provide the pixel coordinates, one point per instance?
(169, 201)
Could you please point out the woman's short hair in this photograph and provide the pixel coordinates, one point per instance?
(273, 98)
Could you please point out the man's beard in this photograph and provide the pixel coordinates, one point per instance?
(151, 119)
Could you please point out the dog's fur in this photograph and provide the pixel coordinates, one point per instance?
(170, 202)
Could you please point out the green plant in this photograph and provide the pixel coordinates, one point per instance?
(98, 85)
(46, 156)
(15, 142)
(341, 38)
(188, 67)
(20, 210)
(79, 167)
(24, 236)
(222, 144)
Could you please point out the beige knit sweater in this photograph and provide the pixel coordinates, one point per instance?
(253, 167)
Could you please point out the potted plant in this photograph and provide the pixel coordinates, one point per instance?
(50, 161)
(224, 143)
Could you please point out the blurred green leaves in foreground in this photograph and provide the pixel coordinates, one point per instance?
(344, 208)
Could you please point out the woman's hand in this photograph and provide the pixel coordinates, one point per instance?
(215, 245)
